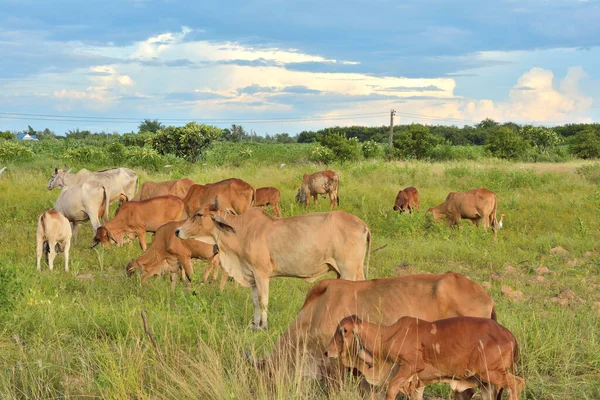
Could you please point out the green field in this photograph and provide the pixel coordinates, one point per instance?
(79, 334)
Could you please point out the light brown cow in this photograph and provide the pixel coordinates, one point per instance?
(235, 196)
(255, 247)
(461, 348)
(320, 183)
(268, 196)
(178, 188)
(382, 301)
(135, 218)
(407, 200)
(476, 205)
(168, 253)
(53, 236)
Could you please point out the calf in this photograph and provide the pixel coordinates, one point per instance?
(320, 183)
(407, 199)
(461, 348)
(168, 253)
(135, 218)
(268, 196)
(235, 196)
(53, 236)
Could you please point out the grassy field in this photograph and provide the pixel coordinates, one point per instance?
(79, 334)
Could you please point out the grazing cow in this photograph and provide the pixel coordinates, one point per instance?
(53, 236)
(268, 196)
(382, 301)
(135, 218)
(460, 348)
(476, 205)
(120, 183)
(82, 202)
(255, 247)
(168, 253)
(178, 187)
(319, 183)
(235, 196)
(407, 200)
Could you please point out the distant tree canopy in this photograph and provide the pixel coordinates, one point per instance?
(150, 125)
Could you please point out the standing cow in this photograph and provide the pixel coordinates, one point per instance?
(407, 200)
(255, 247)
(476, 205)
(268, 196)
(53, 236)
(235, 196)
(320, 183)
(177, 187)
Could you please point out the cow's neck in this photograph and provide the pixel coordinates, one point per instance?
(377, 338)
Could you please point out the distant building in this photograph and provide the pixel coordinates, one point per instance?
(26, 136)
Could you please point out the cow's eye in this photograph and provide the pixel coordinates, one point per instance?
(198, 215)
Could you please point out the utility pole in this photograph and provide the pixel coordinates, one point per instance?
(392, 113)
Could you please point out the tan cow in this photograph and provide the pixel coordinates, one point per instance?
(320, 183)
(453, 349)
(168, 253)
(135, 218)
(382, 301)
(268, 196)
(476, 205)
(178, 187)
(234, 194)
(407, 200)
(53, 236)
(255, 247)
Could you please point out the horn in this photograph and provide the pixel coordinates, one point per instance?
(56, 170)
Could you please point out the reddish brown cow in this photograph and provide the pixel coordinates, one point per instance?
(178, 188)
(268, 196)
(235, 196)
(135, 218)
(319, 183)
(168, 253)
(460, 348)
(407, 200)
(476, 205)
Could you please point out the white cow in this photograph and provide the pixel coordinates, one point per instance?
(53, 236)
(117, 181)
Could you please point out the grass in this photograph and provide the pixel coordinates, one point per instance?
(64, 337)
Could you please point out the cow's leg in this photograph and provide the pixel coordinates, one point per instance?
(209, 267)
(224, 278)
(51, 254)
(174, 275)
(141, 234)
(465, 394)
(39, 250)
(332, 200)
(186, 264)
(262, 284)
(66, 254)
(256, 320)
(399, 381)
(316, 199)
(74, 230)
(276, 210)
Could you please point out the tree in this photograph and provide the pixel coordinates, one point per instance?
(503, 142)
(150, 126)
(586, 143)
(487, 123)
(415, 142)
(187, 142)
(343, 149)
(541, 138)
(284, 138)
(307, 137)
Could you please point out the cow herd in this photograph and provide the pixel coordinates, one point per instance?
(402, 333)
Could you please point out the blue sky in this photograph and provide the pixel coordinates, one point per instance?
(280, 66)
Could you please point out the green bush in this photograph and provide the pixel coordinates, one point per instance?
(86, 155)
(141, 139)
(321, 154)
(542, 139)
(6, 135)
(343, 149)
(415, 142)
(371, 149)
(116, 153)
(447, 152)
(145, 157)
(504, 142)
(586, 144)
(590, 172)
(13, 152)
(188, 142)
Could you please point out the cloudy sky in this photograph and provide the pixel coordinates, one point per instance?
(284, 66)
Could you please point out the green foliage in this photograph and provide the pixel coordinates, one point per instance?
(141, 139)
(371, 149)
(187, 142)
(116, 153)
(145, 157)
(415, 142)
(6, 135)
(447, 152)
(11, 151)
(503, 142)
(150, 125)
(321, 154)
(307, 137)
(542, 139)
(586, 143)
(343, 149)
(86, 155)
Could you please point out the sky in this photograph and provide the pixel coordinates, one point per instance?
(285, 66)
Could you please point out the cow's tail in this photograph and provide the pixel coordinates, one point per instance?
(104, 207)
(368, 254)
(493, 220)
(337, 189)
(494, 316)
(253, 198)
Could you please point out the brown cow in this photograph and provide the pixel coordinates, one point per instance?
(268, 196)
(135, 218)
(168, 253)
(319, 183)
(234, 194)
(407, 199)
(461, 348)
(178, 187)
(382, 301)
(255, 247)
(53, 236)
(476, 205)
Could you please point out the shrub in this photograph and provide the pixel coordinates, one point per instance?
(85, 154)
(6, 135)
(370, 149)
(116, 153)
(141, 139)
(343, 149)
(542, 139)
(188, 142)
(504, 142)
(11, 151)
(321, 154)
(447, 152)
(590, 172)
(415, 142)
(145, 157)
(586, 144)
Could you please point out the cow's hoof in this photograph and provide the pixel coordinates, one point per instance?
(255, 327)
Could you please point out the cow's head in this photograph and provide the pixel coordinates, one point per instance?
(206, 222)
(301, 195)
(133, 266)
(401, 206)
(57, 179)
(104, 236)
(436, 214)
(346, 344)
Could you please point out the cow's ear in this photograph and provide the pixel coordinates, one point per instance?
(215, 205)
(56, 170)
(222, 224)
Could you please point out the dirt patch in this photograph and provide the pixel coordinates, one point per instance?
(542, 270)
(565, 298)
(514, 295)
(559, 250)
(486, 285)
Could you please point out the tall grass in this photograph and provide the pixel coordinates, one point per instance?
(62, 336)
